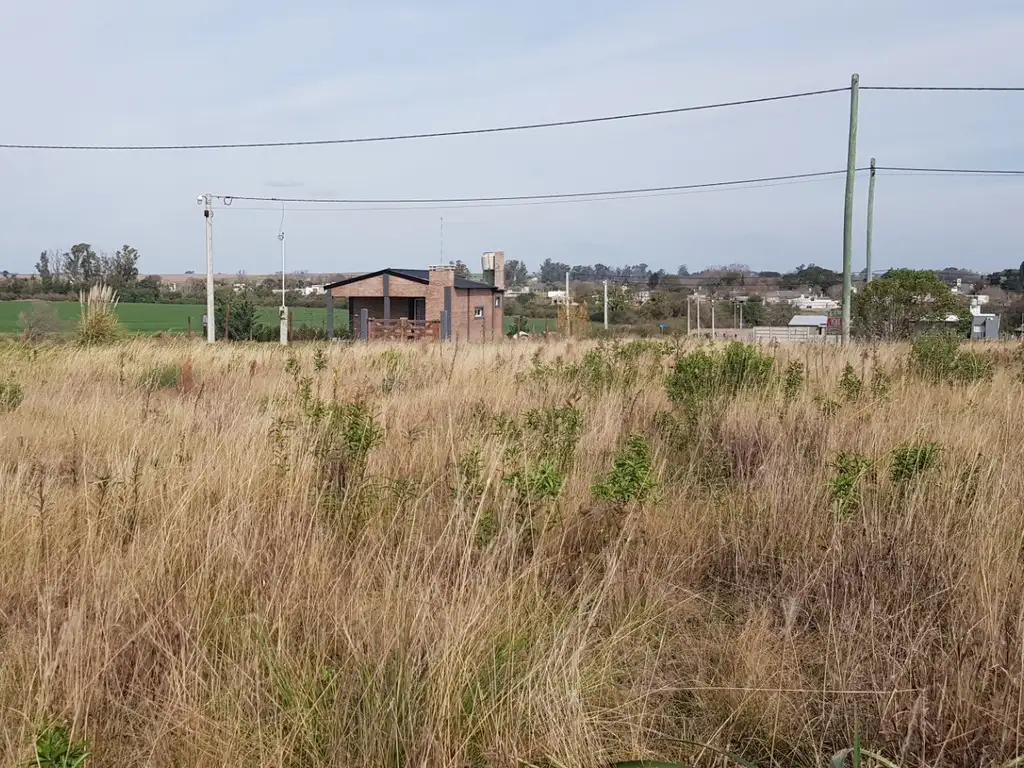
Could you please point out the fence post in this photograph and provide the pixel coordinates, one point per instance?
(364, 324)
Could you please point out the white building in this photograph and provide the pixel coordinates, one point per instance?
(814, 303)
(816, 322)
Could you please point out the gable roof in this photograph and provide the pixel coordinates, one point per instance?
(416, 275)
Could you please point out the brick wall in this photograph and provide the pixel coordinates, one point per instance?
(466, 326)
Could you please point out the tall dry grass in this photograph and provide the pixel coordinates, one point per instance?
(202, 569)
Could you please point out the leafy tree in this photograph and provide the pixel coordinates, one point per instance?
(812, 275)
(895, 306)
(239, 312)
(515, 273)
(45, 274)
(123, 268)
(81, 264)
(553, 272)
(461, 269)
(753, 311)
(682, 271)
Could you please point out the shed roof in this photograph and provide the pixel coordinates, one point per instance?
(809, 321)
(416, 275)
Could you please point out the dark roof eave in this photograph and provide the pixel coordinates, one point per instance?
(410, 274)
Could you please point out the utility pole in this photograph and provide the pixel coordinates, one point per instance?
(284, 308)
(606, 305)
(871, 217)
(568, 317)
(697, 297)
(712, 318)
(741, 315)
(207, 202)
(688, 315)
(851, 172)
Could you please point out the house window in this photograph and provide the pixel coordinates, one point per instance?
(478, 313)
(497, 301)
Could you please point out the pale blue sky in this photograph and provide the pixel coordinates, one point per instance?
(120, 71)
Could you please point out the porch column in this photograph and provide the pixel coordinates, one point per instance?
(330, 315)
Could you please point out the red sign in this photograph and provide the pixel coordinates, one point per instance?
(835, 323)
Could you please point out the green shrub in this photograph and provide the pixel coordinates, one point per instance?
(538, 482)
(793, 381)
(54, 748)
(632, 475)
(910, 460)
(845, 486)
(11, 395)
(850, 384)
(937, 357)
(704, 375)
(162, 376)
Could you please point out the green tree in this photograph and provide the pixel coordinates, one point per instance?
(812, 275)
(45, 274)
(238, 310)
(123, 267)
(897, 305)
(81, 264)
(461, 269)
(515, 273)
(553, 272)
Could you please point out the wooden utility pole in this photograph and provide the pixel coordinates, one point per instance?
(851, 172)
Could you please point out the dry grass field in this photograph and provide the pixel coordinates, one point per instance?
(509, 556)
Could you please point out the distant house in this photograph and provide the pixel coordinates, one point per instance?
(819, 303)
(432, 303)
(817, 323)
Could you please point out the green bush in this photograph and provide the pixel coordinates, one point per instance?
(11, 395)
(937, 357)
(910, 460)
(162, 376)
(54, 748)
(703, 375)
(632, 475)
(845, 486)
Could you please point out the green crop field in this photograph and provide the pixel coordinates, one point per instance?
(154, 318)
(174, 318)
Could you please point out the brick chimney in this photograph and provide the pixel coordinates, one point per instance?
(493, 263)
(442, 276)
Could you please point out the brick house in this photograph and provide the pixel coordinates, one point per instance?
(435, 303)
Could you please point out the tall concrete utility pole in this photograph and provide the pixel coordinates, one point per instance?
(712, 318)
(851, 172)
(871, 217)
(688, 314)
(568, 316)
(207, 202)
(606, 305)
(284, 308)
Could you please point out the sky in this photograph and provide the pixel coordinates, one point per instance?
(125, 72)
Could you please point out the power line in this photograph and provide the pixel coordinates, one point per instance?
(528, 203)
(946, 88)
(605, 194)
(953, 171)
(431, 135)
